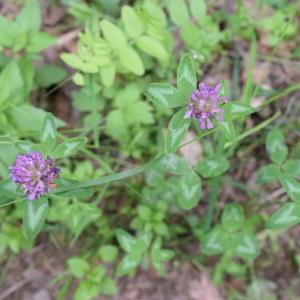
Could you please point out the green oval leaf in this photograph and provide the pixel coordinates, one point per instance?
(39, 41)
(78, 79)
(86, 290)
(78, 266)
(189, 190)
(212, 167)
(108, 253)
(177, 128)
(292, 168)
(276, 147)
(178, 12)
(35, 214)
(108, 286)
(72, 60)
(29, 18)
(107, 74)
(131, 60)
(113, 35)
(164, 95)
(133, 24)
(291, 186)
(232, 217)
(128, 264)
(286, 216)
(174, 164)
(50, 74)
(152, 47)
(186, 76)
(126, 240)
(246, 246)
(198, 10)
(215, 242)
(268, 174)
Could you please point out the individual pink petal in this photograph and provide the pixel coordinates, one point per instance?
(202, 86)
(188, 114)
(210, 125)
(202, 123)
(219, 118)
(218, 88)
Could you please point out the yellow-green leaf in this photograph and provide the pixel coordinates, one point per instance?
(131, 60)
(107, 74)
(133, 24)
(113, 35)
(152, 47)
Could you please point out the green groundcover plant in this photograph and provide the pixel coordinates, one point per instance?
(58, 179)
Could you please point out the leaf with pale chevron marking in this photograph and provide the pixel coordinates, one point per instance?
(189, 190)
(35, 214)
(177, 128)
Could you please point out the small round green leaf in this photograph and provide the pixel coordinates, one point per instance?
(215, 242)
(174, 164)
(276, 147)
(212, 167)
(78, 266)
(246, 246)
(108, 253)
(233, 217)
(108, 286)
(268, 174)
(86, 290)
(78, 79)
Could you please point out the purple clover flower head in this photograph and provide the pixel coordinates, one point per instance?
(35, 174)
(204, 105)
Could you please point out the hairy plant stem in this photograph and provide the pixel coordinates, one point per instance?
(108, 178)
(215, 185)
